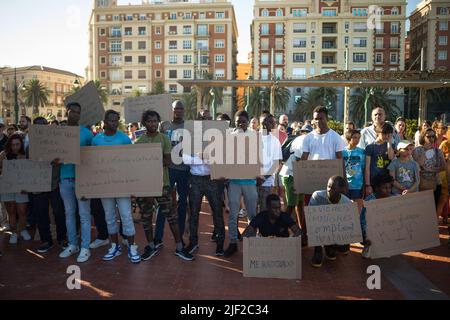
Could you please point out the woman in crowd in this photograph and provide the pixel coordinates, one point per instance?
(424, 126)
(400, 129)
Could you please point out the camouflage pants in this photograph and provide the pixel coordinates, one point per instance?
(148, 206)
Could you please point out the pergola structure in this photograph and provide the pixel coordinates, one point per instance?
(424, 80)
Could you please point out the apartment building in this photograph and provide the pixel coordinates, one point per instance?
(59, 83)
(430, 31)
(134, 46)
(298, 39)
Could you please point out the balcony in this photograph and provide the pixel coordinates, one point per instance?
(329, 28)
(203, 34)
(329, 44)
(329, 59)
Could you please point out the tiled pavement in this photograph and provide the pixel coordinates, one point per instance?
(27, 275)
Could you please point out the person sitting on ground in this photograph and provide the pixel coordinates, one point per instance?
(335, 194)
(272, 222)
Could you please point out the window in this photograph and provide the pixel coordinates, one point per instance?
(187, 59)
(202, 30)
(264, 44)
(128, 45)
(279, 73)
(220, 28)
(142, 59)
(102, 45)
(187, 74)
(173, 30)
(299, 27)
(442, 40)
(347, 25)
(394, 27)
(220, 15)
(346, 38)
(128, 59)
(219, 73)
(188, 15)
(378, 58)
(142, 31)
(279, 28)
(394, 43)
(202, 44)
(172, 74)
(128, 74)
(142, 74)
(143, 17)
(173, 16)
(220, 58)
(299, 12)
(299, 57)
(264, 73)
(187, 44)
(359, 27)
(116, 32)
(360, 42)
(443, 25)
(116, 60)
(359, 57)
(158, 30)
(102, 18)
(279, 13)
(158, 73)
(394, 11)
(329, 12)
(265, 29)
(173, 59)
(379, 43)
(265, 13)
(443, 11)
(359, 12)
(394, 58)
(116, 17)
(142, 45)
(442, 55)
(201, 15)
(128, 31)
(279, 44)
(157, 59)
(265, 58)
(204, 59)
(313, 55)
(173, 88)
(158, 45)
(218, 44)
(279, 58)
(116, 46)
(173, 44)
(313, 40)
(299, 73)
(187, 30)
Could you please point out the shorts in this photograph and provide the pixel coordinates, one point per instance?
(14, 197)
(293, 199)
(354, 194)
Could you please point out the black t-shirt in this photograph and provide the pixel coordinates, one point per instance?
(3, 142)
(279, 229)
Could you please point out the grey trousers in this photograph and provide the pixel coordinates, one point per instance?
(234, 197)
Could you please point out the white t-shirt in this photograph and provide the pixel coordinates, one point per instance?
(271, 153)
(323, 146)
(297, 149)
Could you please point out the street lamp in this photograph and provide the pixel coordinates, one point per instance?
(366, 107)
(248, 94)
(213, 104)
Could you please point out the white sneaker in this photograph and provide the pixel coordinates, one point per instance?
(13, 238)
(84, 255)
(25, 235)
(242, 213)
(133, 254)
(70, 250)
(98, 243)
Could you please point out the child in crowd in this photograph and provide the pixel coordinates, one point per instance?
(405, 170)
(354, 159)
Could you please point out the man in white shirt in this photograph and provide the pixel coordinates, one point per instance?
(369, 134)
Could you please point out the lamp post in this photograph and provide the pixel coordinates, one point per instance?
(16, 99)
(213, 104)
(248, 95)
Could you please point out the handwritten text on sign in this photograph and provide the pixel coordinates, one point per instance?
(313, 175)
(333, 224)
(26, 175)
(50, 142)
(120, 171)
(161, 103)
(278, 258)
(402, 224)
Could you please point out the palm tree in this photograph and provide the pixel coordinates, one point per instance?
(102, 91)
(190, 105)
(158, 88)
(326, 96)
(305, 106)
(259, 101)
(282, 98)
(376, 97)
(137, 93)
(206, 95)
(35, 95)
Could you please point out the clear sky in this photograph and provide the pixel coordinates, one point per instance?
(54, 33)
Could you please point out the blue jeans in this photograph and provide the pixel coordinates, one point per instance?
(124, 205)
(67, 190)
(181, 179)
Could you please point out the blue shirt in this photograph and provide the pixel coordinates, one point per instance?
(243, 182)
(118, 139)
(355, 162)
(68, 170)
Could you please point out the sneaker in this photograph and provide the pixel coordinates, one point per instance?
(330, 253)
(125, 243)
(13, 238)
(45, 247)
(242, 213)
(70, 250)
(366, 252)
(158, 244)
(149, 253)
(317, 259)
(191, 248)
(113, 252)
(98, 243)
(219, 250)
(133, 254)
(345, 249)
(232, 249)
(84, 255)
(25, 235)
(183, 254)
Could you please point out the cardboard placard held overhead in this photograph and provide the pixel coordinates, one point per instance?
(48, 143)
(92, 110)
(241, 157)
(135, 107)
(25, 175)
(333, 224)
(120, 171)
(200, 131)
(277, 258)
(313, 175)
(402, 224)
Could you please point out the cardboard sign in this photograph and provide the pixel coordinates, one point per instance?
(241, 158)
(278, 258)
(92, 110)
(120, 171)
(402, 224)
(200, 131)
(25, 175)
(333, 224)
(135, 107)
(313, 175)
(50, 142)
